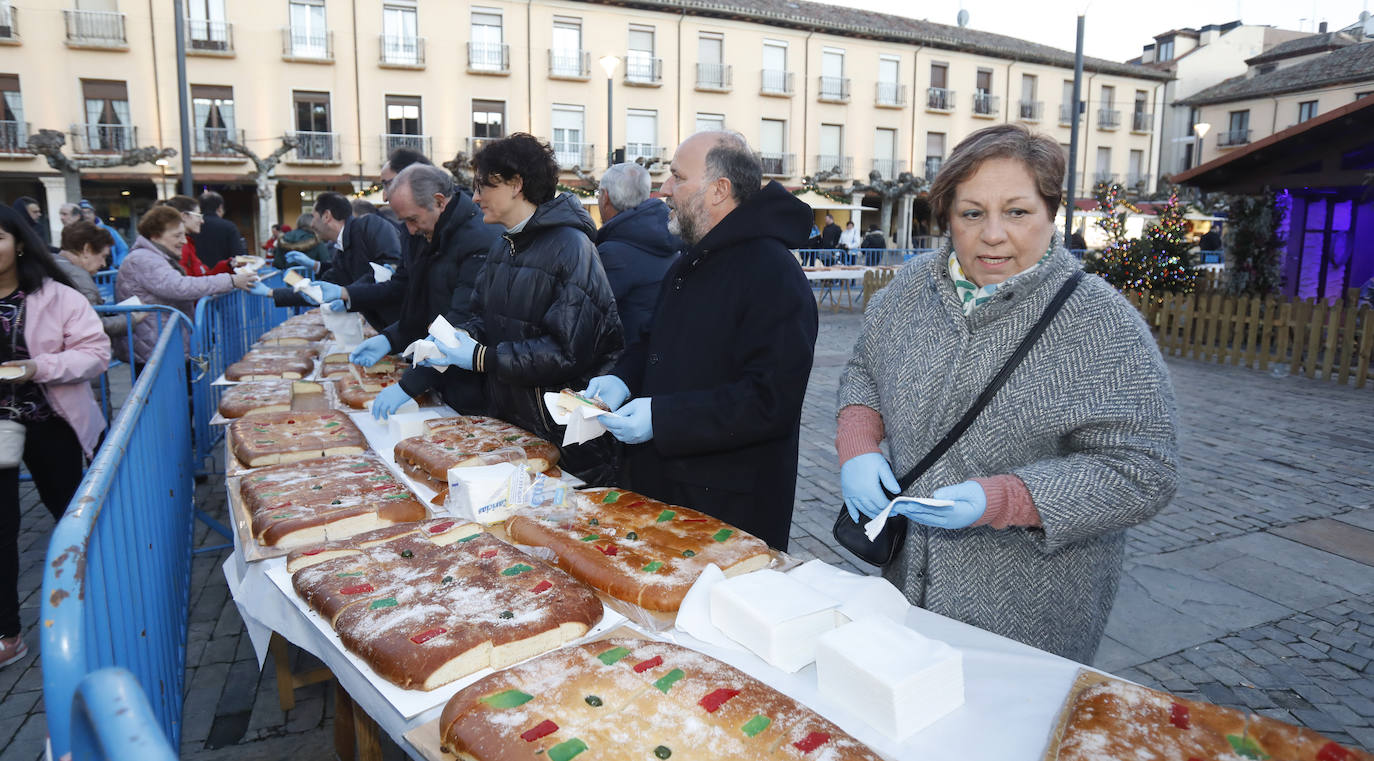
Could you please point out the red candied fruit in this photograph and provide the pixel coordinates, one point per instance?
(542, 586)
(713, 701)
(542, 729)
(653, 662)
(490, 552)
(445, 526)
(811, 742)
(357, 589)
(608, 549)
(1333, 752)
(1178, 715)
(427, 635)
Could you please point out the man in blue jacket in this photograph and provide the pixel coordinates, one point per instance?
(635, 246)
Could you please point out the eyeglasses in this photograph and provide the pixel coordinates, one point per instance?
(194, 214)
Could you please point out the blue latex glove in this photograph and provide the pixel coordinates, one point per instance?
(301, 259)
(609, 389)
(970, 502)
(371, 351)
(329, 292)
(458, 356)
(862, 480)
(259, 289)
(388, 401)
(635, 424)
(337, 305)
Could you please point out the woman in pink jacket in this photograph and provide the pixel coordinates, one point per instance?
(51, 345)
(154, 274)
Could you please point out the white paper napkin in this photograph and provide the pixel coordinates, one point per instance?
(132, 301)
(862, 595)
(309, 288)
(380, 274)
(347, 327)
(583, 421)
(423, 349)
(694, 614)
(875, 526)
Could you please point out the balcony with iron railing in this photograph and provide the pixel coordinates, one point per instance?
(9, 25)
(474, 144)
(939, 99)
(88, 139)
(1232, 138)
(14, 138)
(314, 148)
(775, 82)
(833, 90)
(421, 143)
(642, 70)
(714, 77)
(307, 45)
(488, 58)
(890, 95)
(401, 51)
(570, 64)
(1066, 114)
(569, 155)
(986, 105)
(1029, 110)
(932, 166)
(95, 29)
(826, 162)
(647, 154)
(1142, 121)
(889, 168)
(777, 164)
(1108, 118)
(214, 38)
(212, 144)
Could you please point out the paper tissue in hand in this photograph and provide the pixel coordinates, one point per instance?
(581, 416)
(304, 285)
(492, 493)
(777, 617)
(380, 274)
(900, 681)
(423, 349)
(347, 327)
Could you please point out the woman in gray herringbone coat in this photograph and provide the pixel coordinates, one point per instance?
(1076, 447)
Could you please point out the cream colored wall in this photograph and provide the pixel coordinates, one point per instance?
(1273, 114)
(262, 81)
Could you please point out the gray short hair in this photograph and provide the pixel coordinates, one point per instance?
(305, 221)
(625, 186)
(423, 181)
(732, 159)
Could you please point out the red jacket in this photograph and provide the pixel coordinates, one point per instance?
(195, 267)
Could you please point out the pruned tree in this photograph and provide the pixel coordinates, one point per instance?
(48, 143)
(459, 167)
(821, 175)
(890, 191)
(262, 176)
(588, 181)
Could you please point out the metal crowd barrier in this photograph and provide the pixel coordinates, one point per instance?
(105, 283)
(1217, 256)
(867, 257)
(117, 574)
(111, 719)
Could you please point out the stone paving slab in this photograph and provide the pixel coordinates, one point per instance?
(1334, 536)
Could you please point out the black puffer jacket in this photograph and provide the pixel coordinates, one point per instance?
(544, 313)
(636, 251)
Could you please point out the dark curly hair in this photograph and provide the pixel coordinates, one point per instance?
(521, 155)
(32, 260)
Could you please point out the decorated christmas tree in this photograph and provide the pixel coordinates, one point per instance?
(1159, 261)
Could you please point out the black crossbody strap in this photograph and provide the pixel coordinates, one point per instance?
(1051, 309)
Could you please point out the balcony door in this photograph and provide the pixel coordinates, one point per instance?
(487, 39)
(885, 152)
(774, 67)
(309, 31)
(639, 58)
(568, 129)
(773, 146)
(400, 42)
(313, 136)
(403, 126)
(567, 47)
(212, 109)
(641, 135)
(832, 148)
(109, 128)
(206, 29)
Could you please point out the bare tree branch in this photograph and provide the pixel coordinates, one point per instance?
(263, 166)
(458, 167)
(48, 143)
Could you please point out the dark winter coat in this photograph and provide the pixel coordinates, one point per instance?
(391, 295)
(726, 363)
(830, 236)
(218, 239)
(546, 315)
(365, 240)
(40, 225)
(304, 241)
(636, 251)
(873, 240)
(439, 279)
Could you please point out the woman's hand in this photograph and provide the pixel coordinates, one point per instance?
(29, 367)
(866, 482)
(970, 502)
(244, 280)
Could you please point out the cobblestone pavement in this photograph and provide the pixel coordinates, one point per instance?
(1254, 588)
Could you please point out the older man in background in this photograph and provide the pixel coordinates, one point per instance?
(635, 246)
(718, 380)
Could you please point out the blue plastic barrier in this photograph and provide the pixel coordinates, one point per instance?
(1211, 257)
(105, 283)
(117, 573)
(868, 257)
(111, 719)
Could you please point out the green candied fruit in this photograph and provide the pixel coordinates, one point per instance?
(507, 614)
(722, 535)
(653, 566)
(613, 656)
(662, 751)
(593, 701)
(511, 698)
(632, 536)
(316, 487)
(407, 554)
(666, 515)
(593, 522)
(756, 725)
(611, 496)
(688, 554)
(565, 750)
(448, 579)
(337, 502)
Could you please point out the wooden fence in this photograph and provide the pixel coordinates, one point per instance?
(1334, 341)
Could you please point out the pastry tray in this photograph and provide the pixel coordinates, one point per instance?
(331, 400)
(1083, 681)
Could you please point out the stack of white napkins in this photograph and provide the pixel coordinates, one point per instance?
(779, 618)
(583, 420)
(423, 349)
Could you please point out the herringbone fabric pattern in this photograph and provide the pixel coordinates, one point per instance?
(1087, 422)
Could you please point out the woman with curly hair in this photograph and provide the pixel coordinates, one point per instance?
(544, 316)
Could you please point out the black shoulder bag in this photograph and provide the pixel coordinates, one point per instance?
(850, 534)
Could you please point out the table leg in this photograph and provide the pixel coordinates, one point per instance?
(288, 682)
(343, 724)
(367, 734)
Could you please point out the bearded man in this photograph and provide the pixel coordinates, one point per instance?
(710, 399)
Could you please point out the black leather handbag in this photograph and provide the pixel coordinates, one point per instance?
(850, 533)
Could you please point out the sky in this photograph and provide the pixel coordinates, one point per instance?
(1111, 30)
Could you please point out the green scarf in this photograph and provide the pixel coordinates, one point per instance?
(972, 296)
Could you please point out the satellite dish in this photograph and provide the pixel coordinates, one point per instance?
(963, 18)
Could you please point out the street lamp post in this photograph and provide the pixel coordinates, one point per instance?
(1200, 129)
(609, 64)
(1073, 128)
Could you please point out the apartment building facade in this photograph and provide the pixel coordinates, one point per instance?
(812, 87)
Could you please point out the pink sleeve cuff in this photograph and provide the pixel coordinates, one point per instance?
(859, 431)
(1009, 503)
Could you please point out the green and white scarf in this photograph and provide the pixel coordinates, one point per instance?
(972, 296)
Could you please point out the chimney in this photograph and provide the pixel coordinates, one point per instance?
(1321, 28)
